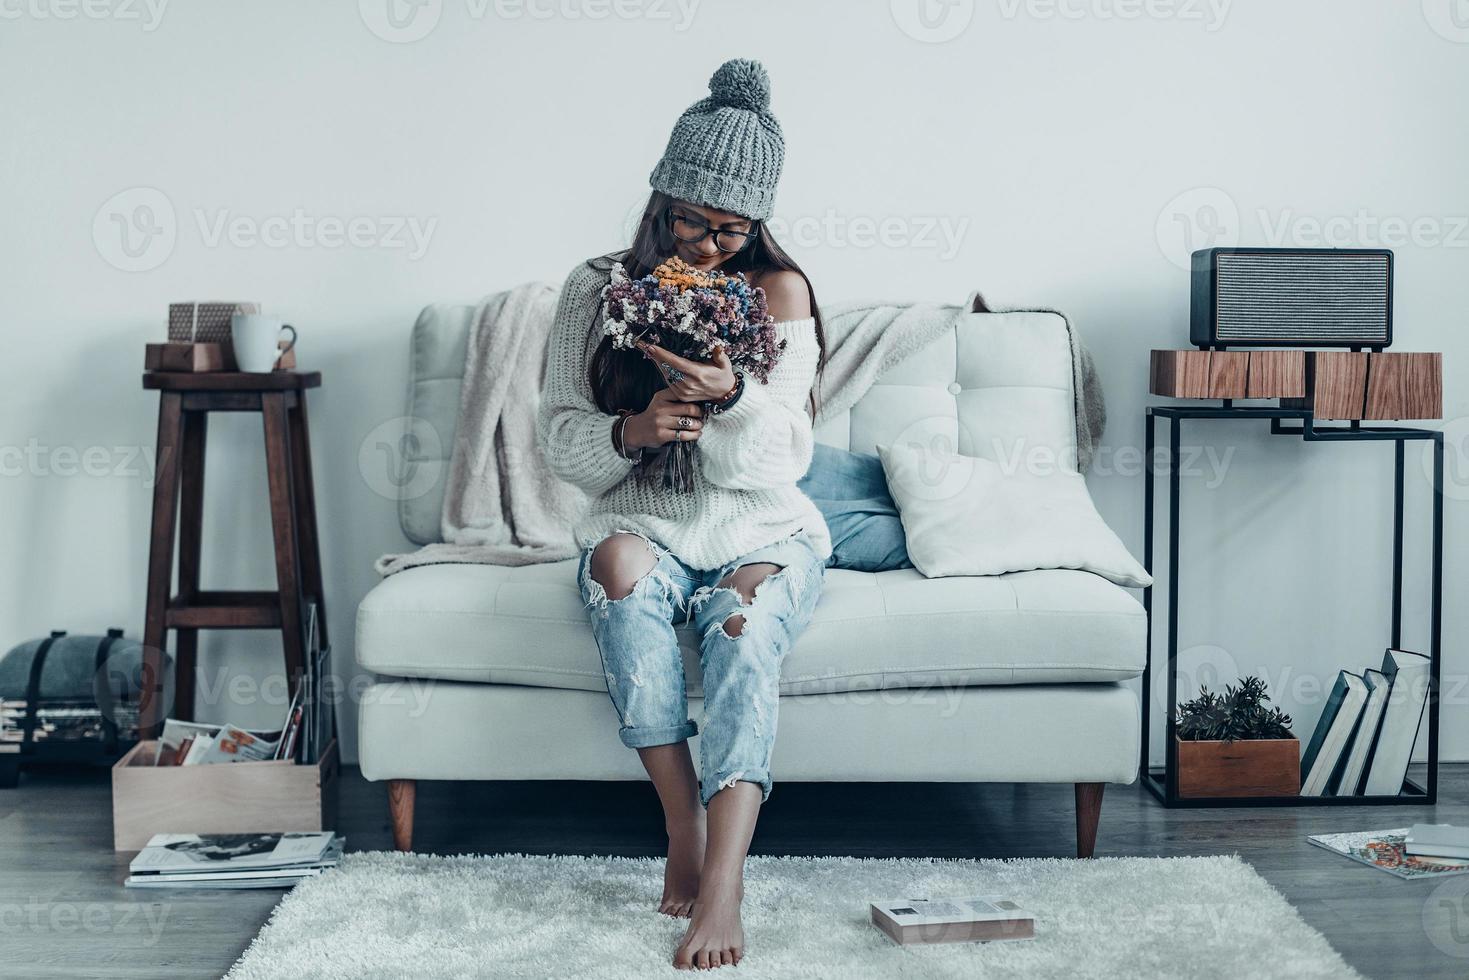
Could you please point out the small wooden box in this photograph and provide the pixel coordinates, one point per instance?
(199, 357)
(225, 798)
(1256, 767)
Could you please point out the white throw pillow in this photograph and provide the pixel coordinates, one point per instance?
(967, 516)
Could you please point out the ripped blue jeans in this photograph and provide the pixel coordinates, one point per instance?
(644, 668)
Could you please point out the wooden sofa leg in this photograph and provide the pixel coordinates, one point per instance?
(401, 793)
(1088, 813)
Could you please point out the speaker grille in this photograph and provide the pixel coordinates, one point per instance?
(1300, 297)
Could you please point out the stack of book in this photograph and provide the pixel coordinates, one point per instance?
(1365, 736)
(67, 721)
(234, 860)
(1438, 842)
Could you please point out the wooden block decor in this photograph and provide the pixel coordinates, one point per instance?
(1404, 386)
(1228, 373)
(1203, 374)
(1336, 384)
(1180, 373)
(1277, 374)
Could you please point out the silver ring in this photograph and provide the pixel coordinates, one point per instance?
(674, 375)
(684, 422)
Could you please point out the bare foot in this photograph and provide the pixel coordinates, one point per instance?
(715, 936)
(681, 872)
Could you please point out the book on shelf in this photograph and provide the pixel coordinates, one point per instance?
(1355, 769)
(1364, 739)
(1333, 734)
(923, 921)
(1409, 675)
(234, 860)
(1437, 840)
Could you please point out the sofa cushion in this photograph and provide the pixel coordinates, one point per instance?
(870, 631)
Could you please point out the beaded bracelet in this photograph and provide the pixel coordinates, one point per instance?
(731, 397)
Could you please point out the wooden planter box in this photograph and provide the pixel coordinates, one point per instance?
(226, 798)
(1262, 767)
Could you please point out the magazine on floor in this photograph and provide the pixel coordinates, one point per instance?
(1383, 849)
(174, 853)
(234, 860)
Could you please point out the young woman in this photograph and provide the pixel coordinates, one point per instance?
(743, 554)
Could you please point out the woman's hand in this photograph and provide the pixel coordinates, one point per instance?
(666, 419)
(702, 381)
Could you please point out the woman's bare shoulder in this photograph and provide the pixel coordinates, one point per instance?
(786, 293)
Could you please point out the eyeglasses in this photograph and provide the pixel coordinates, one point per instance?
(687, 228)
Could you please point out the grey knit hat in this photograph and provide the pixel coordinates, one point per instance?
(726, 150)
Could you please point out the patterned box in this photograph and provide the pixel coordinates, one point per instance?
(206, 323)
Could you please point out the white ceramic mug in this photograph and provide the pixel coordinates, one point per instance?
(256, 339)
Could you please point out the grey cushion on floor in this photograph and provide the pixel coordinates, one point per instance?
(851, 492)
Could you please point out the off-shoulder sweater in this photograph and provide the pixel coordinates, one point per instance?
(748, 458)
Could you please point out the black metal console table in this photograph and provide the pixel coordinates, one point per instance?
(1164, 782)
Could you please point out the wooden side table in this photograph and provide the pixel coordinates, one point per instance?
(1163, 783)
(185, 401)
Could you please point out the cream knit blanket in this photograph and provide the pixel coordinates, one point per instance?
(504, 506)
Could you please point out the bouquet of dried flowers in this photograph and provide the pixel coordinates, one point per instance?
(690, 313)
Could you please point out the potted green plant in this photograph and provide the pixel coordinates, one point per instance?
(1235, 744)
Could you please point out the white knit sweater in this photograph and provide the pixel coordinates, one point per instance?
(748, 458)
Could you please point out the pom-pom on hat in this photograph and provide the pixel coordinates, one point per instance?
(726, 149)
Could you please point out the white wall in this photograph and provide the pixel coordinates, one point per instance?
(1054, 139)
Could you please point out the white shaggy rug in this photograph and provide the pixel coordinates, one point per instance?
(405, 916)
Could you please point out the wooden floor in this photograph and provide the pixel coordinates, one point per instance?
(64, 912)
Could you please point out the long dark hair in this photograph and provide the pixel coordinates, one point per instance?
(625, 378)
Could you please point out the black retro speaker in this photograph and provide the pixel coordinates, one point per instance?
(1292, 297)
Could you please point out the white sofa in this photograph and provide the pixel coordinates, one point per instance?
(491, 672)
